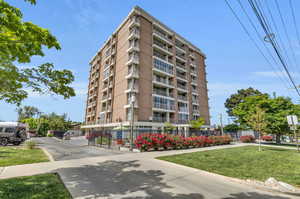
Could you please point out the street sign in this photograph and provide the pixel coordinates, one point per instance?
(292, 120)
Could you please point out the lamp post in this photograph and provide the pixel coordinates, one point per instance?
(132, 101)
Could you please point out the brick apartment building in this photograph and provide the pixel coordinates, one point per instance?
(163, 71)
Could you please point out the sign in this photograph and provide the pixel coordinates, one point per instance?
(292, 120)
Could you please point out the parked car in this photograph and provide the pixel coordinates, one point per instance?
(12, 133)
(67, 136)
(75, 133)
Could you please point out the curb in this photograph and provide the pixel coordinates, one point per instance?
(51, 159)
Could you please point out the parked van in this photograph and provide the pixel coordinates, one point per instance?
(12, 133)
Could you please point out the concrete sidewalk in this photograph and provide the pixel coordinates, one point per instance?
(139, 175)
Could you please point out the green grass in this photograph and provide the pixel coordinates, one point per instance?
(45, 186)
(18, 155)
(245, 163)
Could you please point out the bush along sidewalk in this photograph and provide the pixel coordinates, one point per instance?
(147, 142)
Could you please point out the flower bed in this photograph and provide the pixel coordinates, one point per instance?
(247, 139)
(148, 142)
(267, 138)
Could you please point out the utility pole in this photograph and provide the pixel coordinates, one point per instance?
(221, 122)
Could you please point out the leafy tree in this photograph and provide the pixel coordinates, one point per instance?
(19, 41)
(239, 97)
(198, 123)
(232, 128)
(257, 121)
(168, 126)
(31, 122)
(27, 112)
(276, 110)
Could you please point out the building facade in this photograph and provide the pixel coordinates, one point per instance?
(146, 61)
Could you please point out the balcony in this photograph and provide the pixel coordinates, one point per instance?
(160, 119)
(132, 74)
(182, 98)
(180, 86)
(162, 93)
(92, 104)
(163, 67)
(180, 57)
(193, 64)
(162, 36)
(194, 82)
(133, 48)
(162, 82)
(193, 72)
(128, 105)
(181, 67)
(181, 76)
(134, 34)
(196, 102)
(164, 106)
(134, 59)
(183, 109)
(192, 55)
(196, 112)
(162, 47)
(134, 21)
(131, 89)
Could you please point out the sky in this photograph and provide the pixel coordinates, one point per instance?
(82, 26)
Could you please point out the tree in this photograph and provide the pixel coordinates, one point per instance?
(232, 128)
(19, 41)
(168, 126)
(198, 123)
(239, 97)
(276, 110)
(257, 121)
(27, 112)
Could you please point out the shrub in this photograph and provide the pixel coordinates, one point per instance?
(30, 144)
(146, 142)
(267, 138)
(50, 135)
(247, 139)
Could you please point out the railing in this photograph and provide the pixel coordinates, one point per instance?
(182, 97)
(181, 76)
(159, 119)
(164, 106)
(181, 86)
(183, 109)
(163, 66)
(162, 46)
(181, 66)
(159, 92)
(164, 36)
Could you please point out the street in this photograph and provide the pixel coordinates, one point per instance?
(75, 148)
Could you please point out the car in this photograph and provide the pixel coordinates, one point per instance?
(12, 133)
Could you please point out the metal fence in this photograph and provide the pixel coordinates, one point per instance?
(116, 138)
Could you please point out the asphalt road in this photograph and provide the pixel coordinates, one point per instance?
(75, 148)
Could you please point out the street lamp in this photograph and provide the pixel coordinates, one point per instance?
(132, 101)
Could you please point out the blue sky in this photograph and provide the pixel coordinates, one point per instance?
(81, 26)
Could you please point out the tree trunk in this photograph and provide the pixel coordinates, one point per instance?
(278, 140)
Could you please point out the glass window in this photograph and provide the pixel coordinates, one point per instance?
(9, 130)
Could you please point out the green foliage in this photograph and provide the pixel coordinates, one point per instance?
(47, 122)
(19, 41)
(197, 124)
(168, 126)
(231, 128)
(239, 97)
(30, 144)
(276, 110)
(27, 112)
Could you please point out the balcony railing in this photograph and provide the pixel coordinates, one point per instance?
(181, 97)
(181, 86)
(160, 119)
(134, 34)
(162, 66)
(161, 35)
(181, 76)
(163, 106)
(181, 66)
(133, 59)
(163, 93)
(183, 109)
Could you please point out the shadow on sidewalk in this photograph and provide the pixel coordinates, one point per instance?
(124, 179)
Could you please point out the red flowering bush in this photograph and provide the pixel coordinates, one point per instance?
(146, 142)
(247, 139)
(267, 138)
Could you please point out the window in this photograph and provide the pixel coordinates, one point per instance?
(163, 66)
(9, 130)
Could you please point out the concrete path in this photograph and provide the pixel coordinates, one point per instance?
(75, 148)
(139, 175)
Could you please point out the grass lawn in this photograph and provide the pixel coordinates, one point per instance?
(45, 186)
(245, 163)
(19, 155)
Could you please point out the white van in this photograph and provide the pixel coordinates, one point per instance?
(12, 133)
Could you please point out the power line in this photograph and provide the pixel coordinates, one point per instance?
(272, 40)
(294, 20)
(284, 80)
